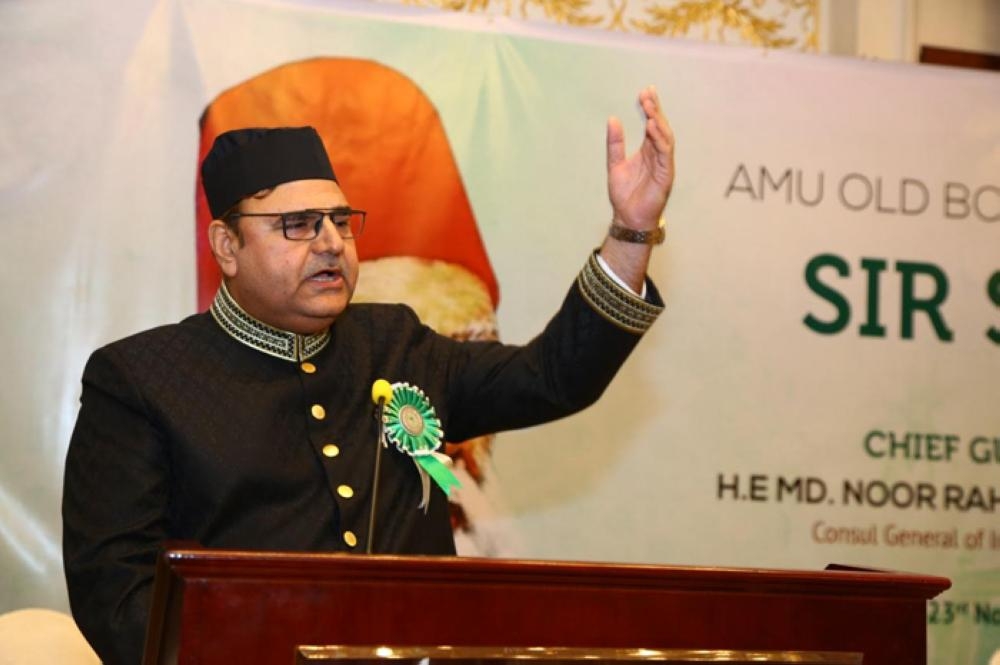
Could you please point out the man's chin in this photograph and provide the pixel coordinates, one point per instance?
(315, 312)
(311, 324)
(327, 309)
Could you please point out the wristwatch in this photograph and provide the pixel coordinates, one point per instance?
(625, 234)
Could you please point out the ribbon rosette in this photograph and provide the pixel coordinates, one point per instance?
(413, 427)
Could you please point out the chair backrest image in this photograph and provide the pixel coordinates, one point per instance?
(388, 149)
(421, 244)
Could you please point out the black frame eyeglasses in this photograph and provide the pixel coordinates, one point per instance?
(305, 224)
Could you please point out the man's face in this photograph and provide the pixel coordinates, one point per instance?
(296, 285)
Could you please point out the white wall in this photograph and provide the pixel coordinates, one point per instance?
(896, 29)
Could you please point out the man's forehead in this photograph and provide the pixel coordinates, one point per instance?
(298, 195)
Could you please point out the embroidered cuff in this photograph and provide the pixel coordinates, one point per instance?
(618, 305)
(618, 280)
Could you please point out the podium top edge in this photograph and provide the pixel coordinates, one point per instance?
(188, 561)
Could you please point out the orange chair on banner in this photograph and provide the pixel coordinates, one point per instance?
(388, 149)
(421, 244)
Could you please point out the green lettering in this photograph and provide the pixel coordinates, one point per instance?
(871, 326)
(993, 289)
(910, 303)
(828, 293)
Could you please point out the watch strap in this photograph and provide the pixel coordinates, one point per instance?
(626, 234)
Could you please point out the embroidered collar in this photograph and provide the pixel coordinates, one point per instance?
(258, 335)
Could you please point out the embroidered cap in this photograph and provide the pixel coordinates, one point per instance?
(245, 161)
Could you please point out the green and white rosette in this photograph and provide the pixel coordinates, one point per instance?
(414, 428)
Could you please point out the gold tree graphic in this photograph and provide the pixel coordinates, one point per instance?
(568, 12)
(723, 16)
(757, 22)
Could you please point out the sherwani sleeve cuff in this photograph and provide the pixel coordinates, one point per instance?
(618, 280)
(614, 300)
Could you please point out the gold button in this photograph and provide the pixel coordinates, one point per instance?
(350, 538)
(319, 413)
(308, 368)
(331, 450)
(345, 491)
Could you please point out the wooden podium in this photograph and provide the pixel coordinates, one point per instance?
(226, 607)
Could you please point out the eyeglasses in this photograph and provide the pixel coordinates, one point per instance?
(305, 224)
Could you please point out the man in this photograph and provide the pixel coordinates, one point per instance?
(250, 426)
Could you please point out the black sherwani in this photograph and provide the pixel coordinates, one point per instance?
(187, 433)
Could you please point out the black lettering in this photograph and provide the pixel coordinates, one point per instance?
(908, 207)
(801, 195)
(722, 487)
(902, 495)
(975, 499)
(859, 203)
(878, 198)
(785, 181)
(978, 206)
(953, 497)
(926, 494)
(877, 493)
(853, 494)
(953, 201)
(786, 487)
(740, 182)
(815, 490)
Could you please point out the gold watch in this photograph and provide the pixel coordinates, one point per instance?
(625, 234)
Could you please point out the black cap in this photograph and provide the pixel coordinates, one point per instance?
(245, 161)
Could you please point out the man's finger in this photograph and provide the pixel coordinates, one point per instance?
(649, 101)
(657, 126)
(660, 134)
(616, 142)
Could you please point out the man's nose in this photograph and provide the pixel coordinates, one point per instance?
(327, 239)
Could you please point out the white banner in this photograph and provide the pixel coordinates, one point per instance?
(821, 388)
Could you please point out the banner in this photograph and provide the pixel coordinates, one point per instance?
(821, 388)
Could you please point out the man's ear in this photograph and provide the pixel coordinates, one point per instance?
(224, 242)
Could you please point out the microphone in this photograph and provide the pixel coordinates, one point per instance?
(381, 393)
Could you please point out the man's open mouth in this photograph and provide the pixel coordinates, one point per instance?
(326, 275)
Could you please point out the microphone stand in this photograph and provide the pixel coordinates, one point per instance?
(375, 475)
